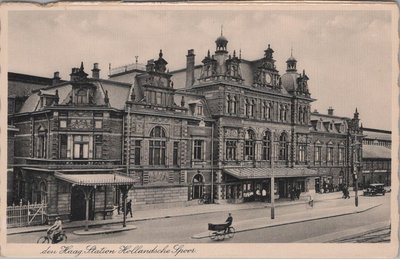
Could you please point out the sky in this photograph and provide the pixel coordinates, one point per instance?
(347, 54)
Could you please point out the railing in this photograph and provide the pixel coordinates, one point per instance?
(43, 161)
(126, 68)
(26, 215)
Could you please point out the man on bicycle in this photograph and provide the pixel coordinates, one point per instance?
(55, 230)
(228, 222)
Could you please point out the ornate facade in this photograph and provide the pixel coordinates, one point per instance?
(223, 128)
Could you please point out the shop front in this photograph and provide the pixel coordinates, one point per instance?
(254, 184)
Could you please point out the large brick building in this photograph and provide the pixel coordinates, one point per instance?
(222, 128)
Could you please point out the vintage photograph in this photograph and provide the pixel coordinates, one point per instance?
(198, 124)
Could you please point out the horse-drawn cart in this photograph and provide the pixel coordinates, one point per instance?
(220, 231)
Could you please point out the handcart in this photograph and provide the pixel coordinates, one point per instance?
(220, 231)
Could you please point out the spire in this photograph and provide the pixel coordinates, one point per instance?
(234, 53)
(161, 54)
(208, 53)
(81, 68)
(222, 30)
(240, 53)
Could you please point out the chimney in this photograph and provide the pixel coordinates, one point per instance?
(96, 71)
(330, 111)
(190, 68)
(56, 78)
(74, 72)
(150, 65)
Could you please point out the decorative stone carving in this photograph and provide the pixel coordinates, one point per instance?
(81, 124)
(158, 177)
(231, 133)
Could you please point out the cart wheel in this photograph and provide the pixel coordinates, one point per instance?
(212, 235)
(220, 236)
(200, 201)
(231, 232)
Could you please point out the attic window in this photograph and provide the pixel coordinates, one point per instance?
(81, 97)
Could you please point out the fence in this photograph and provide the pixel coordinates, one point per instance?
(26, 215)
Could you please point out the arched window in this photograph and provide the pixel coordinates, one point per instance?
(268, 111)
(252, 108)
(81, 97)
(283, 147)
(234, 105)
(247, 107)
(266, 146)
(249, 143)
(228, 104)
(157, 146)
(198, 184)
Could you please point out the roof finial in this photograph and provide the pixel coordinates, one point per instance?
(161, 54)
(81, 66)
(222, 29)
(234, 53)
(291, 51)
(240, 53)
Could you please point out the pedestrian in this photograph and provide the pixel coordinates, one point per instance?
(129, 208)
(298, 193)
(347, 196)
(292, 193)
(264, 194)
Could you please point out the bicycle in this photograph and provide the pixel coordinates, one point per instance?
(204, 200)
(62, 237)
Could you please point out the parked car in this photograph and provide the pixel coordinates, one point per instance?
(374, 189)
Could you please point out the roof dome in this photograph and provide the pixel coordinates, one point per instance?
(289, 81)
(291, 59)
(221, 39)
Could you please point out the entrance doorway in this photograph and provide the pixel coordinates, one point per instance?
(198, 184)
(78, 205)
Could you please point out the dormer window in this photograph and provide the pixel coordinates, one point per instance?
(81, 97)
(199, 110)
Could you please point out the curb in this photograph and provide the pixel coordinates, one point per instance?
(161, 217)
(105, 231)
(200, 236)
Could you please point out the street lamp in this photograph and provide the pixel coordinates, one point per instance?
(355, 167)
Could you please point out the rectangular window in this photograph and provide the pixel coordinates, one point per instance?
(197, 150)
(63, 146)
(231, 150)
(341, 155)
(302, 153)
(42, 145)
(329, 155)
(317, 155)
(248, 150)
(175, 154)
(81, 147)
(157, 152)
(138, 146)
(98, 146)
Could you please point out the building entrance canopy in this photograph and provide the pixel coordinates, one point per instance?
(95, 179)
(261, 173)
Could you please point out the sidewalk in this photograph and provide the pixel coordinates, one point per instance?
(149, 214)
(309, 215)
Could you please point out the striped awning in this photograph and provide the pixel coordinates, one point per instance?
(96, 179)
(261, 173)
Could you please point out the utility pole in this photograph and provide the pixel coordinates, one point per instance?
(272, 176)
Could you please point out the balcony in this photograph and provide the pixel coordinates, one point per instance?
(71, 163)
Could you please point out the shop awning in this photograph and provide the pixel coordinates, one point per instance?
(96, 179)
(261, 173)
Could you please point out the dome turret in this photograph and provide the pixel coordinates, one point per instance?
(221, 43)
(291, 63)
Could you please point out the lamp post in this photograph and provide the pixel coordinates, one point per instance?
(355, 168)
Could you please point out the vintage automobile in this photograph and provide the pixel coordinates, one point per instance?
(374, 189)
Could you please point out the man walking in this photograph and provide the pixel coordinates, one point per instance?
(129, 208)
